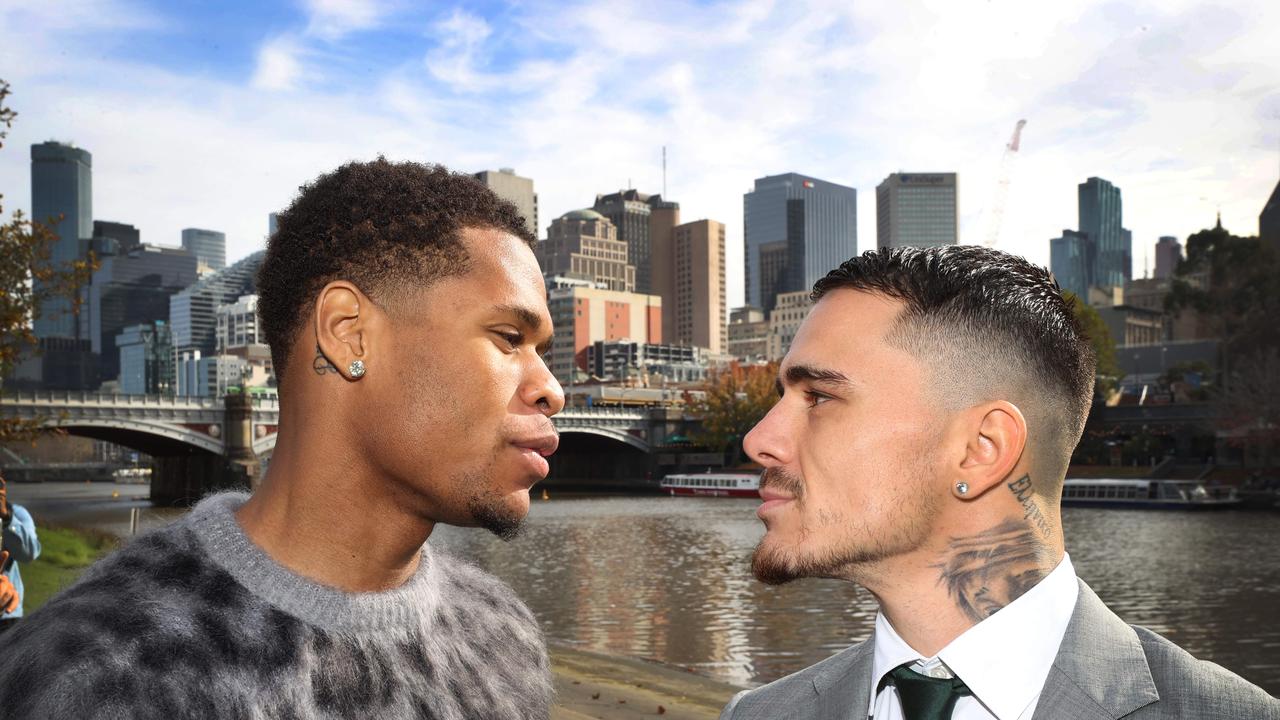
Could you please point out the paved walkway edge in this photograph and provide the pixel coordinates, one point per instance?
(595, 685)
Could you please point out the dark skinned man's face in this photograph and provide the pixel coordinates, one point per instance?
(459, 412)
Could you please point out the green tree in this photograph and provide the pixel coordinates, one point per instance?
(1104, 347)
(736, 398)
(28, 278)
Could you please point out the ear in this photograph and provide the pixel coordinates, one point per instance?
(342, 321)
(994, 434)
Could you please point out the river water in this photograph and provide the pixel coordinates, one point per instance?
(668, 579)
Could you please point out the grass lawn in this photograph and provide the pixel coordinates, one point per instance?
(64, 554)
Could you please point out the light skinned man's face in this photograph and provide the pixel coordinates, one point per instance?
(463, 422)
(850, 449)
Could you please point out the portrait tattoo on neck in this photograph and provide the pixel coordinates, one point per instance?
(321, 363)
(985, 572)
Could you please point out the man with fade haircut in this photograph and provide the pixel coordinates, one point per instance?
(928, 409)
(407, 320)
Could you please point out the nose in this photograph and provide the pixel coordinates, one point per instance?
(542, 390)
(768, 443)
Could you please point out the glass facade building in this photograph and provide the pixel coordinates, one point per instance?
(133, 288)
(818, 221)
(1070, 260)
(917, 210)
(209, 247)
(193, 312)
(62, 197)
(1101, 218)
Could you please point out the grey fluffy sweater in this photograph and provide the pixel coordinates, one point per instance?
(195, 621)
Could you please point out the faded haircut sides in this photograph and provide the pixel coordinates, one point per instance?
(988, 326)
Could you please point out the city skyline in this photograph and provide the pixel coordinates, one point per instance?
(214, 120)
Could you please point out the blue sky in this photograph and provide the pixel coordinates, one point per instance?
(211, 114)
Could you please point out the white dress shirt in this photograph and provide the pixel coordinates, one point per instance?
(1004, 659)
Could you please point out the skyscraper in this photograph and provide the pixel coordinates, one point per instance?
(630, 212)
(1168, 253)
(1101, 218)
(917, 210)
(818, 221)
(1071, 261)
(583, 244)
(192, 312)
(133, 287)
(515, 189)
(699, 293)
(209, 247)
(121, 236)
(62, 197)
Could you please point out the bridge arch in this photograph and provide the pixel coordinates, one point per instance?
(152, 438)
(620, 436)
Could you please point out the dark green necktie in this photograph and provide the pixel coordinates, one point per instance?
(924, 697)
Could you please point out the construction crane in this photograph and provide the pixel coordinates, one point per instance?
(1002, 184)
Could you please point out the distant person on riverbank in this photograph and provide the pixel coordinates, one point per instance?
(408, 321)
(20, 545)
(929, 406)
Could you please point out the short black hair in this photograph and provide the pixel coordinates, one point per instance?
(384, 226)
(990, 325)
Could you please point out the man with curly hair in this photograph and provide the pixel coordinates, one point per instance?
(407, 320)
(928, 409)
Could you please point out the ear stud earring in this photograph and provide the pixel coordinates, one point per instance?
(356, 368)
(962, 487)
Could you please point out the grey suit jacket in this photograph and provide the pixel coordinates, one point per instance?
(1105, 670)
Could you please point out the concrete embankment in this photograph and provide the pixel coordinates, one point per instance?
(593, 685)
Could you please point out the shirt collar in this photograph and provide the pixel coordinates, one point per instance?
(1025, 634)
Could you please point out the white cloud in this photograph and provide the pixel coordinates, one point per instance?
(279, 66)
(1174, 104)
(332, 19)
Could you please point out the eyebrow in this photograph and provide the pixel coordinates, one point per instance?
(532, 322)
(807, 373)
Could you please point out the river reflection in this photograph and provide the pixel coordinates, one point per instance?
(668, 578)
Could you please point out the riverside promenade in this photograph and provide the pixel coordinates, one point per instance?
(588, 684)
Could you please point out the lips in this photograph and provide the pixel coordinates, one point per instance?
(543, 445)
(772, 499)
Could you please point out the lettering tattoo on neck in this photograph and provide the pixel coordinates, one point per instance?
(321, 363)
(985, 572)
(1022, 490)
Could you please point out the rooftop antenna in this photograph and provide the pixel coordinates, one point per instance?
(664, 171)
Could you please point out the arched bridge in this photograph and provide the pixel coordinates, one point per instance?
(201, 443)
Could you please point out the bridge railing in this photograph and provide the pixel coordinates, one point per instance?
(75, 397)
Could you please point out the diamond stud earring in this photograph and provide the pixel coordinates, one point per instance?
(961, 487)
(356, 368)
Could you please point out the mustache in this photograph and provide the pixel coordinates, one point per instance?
(783, 481)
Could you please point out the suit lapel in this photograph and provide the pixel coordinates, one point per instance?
(1101, 671)
(844, 687)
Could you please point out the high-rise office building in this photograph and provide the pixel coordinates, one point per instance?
(273, 220)
(132, 287)
(509, 186)
(209, 247)
(1269, 220)
(62, 198)
(114, 237)
(630, 212)
(583, 315)
(1168, 253)
(584, 245)
(917, 210)
(698, 318)
(818, 221)
(1071, 262)
(1101, 218)
(193, 311)
(145, 359)
(664, 216)
(773, 266)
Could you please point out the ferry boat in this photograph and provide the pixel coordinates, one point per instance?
(1171, 494)
(713, 484)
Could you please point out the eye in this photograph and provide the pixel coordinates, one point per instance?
(510, 339)
(813, 398)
